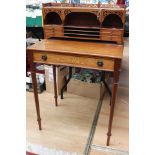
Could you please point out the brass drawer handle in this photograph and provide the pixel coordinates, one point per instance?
(44, 57)
(100, 63)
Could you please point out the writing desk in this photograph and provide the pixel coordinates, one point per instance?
(93, 55)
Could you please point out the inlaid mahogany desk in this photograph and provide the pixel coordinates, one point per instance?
(93, 55)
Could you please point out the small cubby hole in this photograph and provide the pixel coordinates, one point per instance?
(83, 19)
(112, 21)
(52, 18)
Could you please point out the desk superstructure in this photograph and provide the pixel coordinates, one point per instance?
(84, 22)
(76, 53)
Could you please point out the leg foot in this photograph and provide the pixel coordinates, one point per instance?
(39, 123)
(108, 139)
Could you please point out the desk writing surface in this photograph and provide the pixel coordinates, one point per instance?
(79, 47)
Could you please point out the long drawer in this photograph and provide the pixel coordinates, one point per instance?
(75, 60)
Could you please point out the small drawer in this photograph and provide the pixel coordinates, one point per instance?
(58, 34)
(111, 31)
(48, 27)
(75, 60)
(117, 32)
(117, 38)
(53, 28)
(106, 37)
(53, 33)
(49, 31)
(48, 34)
(57, 28)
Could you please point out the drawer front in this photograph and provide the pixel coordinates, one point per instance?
(105, 31)
(53, 28)
(52, 34)
(48, 31)
(118, 39)
(53, 31)
(48, 27)
(73, 60)
(57, 28)
(48, 34)
(58, 34)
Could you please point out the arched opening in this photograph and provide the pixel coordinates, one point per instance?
(83, 19)
(112, 21)
(52, 18)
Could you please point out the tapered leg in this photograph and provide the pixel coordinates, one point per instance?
(106, 85)
(65, 85)
(113, 99)
(55, 85)
(34, 85)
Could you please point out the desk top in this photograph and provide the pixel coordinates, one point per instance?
(79, 47)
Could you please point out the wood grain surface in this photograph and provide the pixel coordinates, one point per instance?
(74, 60)
(79, 47)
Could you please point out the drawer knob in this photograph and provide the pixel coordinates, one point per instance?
(100, 63)
(44, 57)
